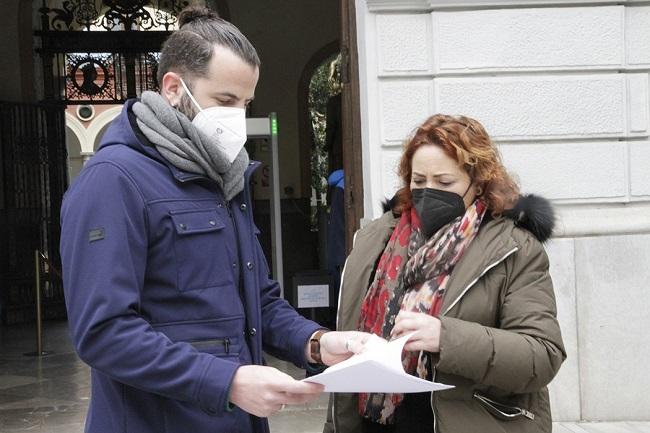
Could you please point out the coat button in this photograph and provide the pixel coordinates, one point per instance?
(242, 206)
(249, 265)
(213, 223)
(182, 226)
(252, 332)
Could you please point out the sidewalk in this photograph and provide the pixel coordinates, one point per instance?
(604, 427)
(50, 395)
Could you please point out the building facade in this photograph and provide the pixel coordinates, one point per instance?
(562, 87)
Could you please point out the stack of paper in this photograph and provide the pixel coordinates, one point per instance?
(378, 369)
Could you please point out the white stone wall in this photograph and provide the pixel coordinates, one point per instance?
(562, 87)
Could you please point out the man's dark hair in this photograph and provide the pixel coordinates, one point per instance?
(189, 49)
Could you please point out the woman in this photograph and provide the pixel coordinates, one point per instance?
(459, 262)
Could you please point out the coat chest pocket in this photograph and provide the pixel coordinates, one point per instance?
(201, 249)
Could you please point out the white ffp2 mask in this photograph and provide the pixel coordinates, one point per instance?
(225, 125)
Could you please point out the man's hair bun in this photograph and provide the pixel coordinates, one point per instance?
(195, 13)
(188, 51)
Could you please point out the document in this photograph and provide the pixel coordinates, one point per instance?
(378, 369)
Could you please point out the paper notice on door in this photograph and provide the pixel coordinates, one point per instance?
(378, 369)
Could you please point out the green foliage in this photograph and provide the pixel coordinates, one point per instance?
(323, 84)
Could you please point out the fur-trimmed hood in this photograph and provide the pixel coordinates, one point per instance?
(531, 212)
(535, 214)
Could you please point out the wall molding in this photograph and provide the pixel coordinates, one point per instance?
(602, 220)
(431, 5)
(589, 220)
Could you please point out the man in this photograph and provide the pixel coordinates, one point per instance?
(167, 288)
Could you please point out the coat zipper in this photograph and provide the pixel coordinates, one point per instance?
(333, 414)
(338, 304)
(433, 409)
(469, 286)
(225, 341)
(239, 258)
(240, 282)
(485, 271)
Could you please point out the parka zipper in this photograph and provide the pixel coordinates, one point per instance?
(433, 409)
(485, 271)
(469, 286)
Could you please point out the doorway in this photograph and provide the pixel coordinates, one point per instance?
(295, 57)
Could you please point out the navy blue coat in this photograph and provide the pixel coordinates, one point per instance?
(167, 292)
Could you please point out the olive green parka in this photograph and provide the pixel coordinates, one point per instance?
(500, 342)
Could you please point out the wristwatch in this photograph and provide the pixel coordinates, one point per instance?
(314, 345)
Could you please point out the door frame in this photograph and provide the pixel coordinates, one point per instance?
(351, 121)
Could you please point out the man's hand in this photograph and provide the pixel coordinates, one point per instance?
(339, 346)
(262, 391)
(426, 328)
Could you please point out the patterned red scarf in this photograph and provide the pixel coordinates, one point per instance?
(412, 275)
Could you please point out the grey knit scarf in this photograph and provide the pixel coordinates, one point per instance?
(187, 148)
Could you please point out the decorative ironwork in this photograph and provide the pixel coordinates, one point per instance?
(90, 77)
(103, 67)
(147, 72)
(127, 15)
(107, 78)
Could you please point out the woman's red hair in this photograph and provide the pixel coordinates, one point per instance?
(466, 141)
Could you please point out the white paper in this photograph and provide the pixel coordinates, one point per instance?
(378, 369)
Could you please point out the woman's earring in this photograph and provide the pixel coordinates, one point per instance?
(479, 191)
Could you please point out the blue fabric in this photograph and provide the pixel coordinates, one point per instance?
(336, 232)
(336, 222)
(336, 179)
(167, 292)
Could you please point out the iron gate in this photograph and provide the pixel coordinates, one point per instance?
(106, 51)
(34, 178)
(103, 52)
(92, 52)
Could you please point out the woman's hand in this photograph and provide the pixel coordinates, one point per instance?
(426, 328)
(339, 346)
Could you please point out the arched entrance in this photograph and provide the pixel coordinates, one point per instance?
(99, 126)
(318, 122)
(306, 130)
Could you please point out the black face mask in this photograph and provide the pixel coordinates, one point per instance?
(437, 208)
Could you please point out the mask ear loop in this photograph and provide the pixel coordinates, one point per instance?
(190, 95)
(465, 193)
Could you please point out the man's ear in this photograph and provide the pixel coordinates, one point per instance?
(171, 88)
